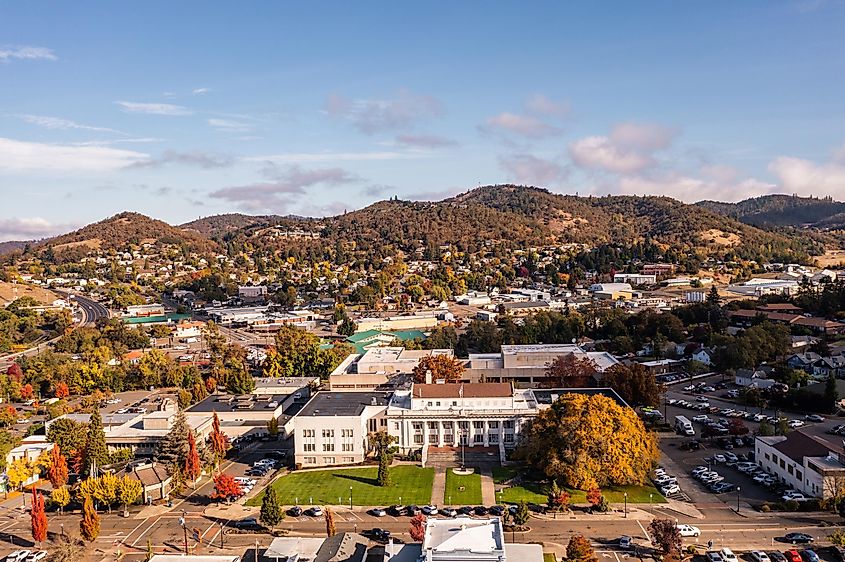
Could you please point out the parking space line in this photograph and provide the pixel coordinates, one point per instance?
(648, 538)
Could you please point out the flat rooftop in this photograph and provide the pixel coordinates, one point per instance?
(547, 396)
(343, 403)
(231, 403)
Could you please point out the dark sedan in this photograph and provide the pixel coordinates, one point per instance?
(798, 538)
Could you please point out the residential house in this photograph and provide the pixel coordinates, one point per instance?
(753, 378)
(154, 478)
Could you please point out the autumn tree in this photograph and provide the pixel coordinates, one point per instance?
(271, 508)
(60, 497)
(597, 500)
(219, 441)
(19, 471)
(192, 462)
(737, 427)
(382, 443)
(38, 517)
(557, 498)
(328, 514)
(665, 535)
(89, 526)
(57, 472)
(174, 448)
(226, 487)
(588, 441)
(417, 528)
(580, 549)
(442, 367)
(61, 390)
(96, 453)
(569, 371)
(129, 491)
(105, 489)
(634, 383)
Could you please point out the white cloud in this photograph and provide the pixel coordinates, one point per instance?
(839, 154)
(628, 149)
(298, 157)
(58, 123)
(530, 170)
(200, 91)
(525, 125)
(424, 141)
(30, 228)
(372, 116)
(805, 177)
(230, 125)
(23, 156)
(204, 160)
(154, 108)
(691, 189)
(26, 53)
(541, 105)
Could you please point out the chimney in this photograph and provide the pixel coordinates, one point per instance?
(373, 401)
(428, 376)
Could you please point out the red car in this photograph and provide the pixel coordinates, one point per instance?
(792, 556)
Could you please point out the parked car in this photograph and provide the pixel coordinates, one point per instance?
(809, 555)
(429, 509)
(413, 510)
(295, 511)
(247, 523)
(480, 510)
(395, 510)
(759, 556)
(792, 556)
(497, 510)
(777, 556)
(382, 535)
(378, 512)
(814, 418)
(728, 555)
(448, 512)
(465, 510)
(315, 511)
(688, 530)
(796, 496)
(713, 556)
(798, 538)
(626, 542)
(37, 556)
(670, 489)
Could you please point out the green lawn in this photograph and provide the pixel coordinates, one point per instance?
(549, 557)
(471, 493)
(324, 487)
(534, 492)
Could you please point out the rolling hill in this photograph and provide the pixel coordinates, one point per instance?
(784, 210)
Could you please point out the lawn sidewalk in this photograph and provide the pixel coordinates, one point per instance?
(409, 485)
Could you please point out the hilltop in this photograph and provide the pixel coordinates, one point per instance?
(784, 210)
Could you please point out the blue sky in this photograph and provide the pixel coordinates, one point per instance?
(185, 109)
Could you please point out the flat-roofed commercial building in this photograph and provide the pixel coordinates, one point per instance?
(377, 365)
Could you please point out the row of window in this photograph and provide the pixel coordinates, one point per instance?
(328, 460)
(462, 425)
(478, 439)
(454, 403)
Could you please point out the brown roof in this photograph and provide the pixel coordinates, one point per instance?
(778, 306)
(474, 390)
(818, 322)
(150, 475)
(798, 445)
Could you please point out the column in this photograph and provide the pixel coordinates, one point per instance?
(486, 430)
(439, 433)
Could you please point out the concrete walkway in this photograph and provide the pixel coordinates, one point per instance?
(438, 488)
(488, 489)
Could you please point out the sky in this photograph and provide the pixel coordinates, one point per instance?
(185, 109)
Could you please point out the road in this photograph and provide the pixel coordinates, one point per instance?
(92, 311)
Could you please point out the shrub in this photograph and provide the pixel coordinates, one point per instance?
(791, 505)
(765, 508)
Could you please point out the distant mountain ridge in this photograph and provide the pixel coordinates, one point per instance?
(784, 210)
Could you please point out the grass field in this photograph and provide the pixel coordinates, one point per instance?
(471, 493)
(324, 487)
(535, 492)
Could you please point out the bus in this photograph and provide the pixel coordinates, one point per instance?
(684, 426)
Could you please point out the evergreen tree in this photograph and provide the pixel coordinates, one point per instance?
(239, 381)
(89, 526)
(271, 508)
(174, 449)
(96, 453)
(831, 394)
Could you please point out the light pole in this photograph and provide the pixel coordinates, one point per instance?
(737, 498)
(625, 495)
(649, 499)
(400, 500)
(221, 534)
(184, 530)
(350, 498)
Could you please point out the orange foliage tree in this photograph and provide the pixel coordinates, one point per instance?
(57, 473)
(442, 367)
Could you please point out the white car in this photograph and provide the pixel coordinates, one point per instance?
(795, 423)
(760, 556)
(701, 418)
(697, 471)
(665, 480)
(689, 531)
(719, 458)
(670, 489)
(728, 555)
(18, 556)
(37, 556)
(796, 496)
(626, 542)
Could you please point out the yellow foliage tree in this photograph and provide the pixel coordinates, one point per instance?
(61, 497)
(129, 491)
(589, 441)
(105, 489)
(19, 472)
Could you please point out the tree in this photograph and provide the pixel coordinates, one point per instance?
(271, 508)
(594, 496)
(174, 448)
(441, 367)
(588, 441)
(346, 327)
(557, 499)
(96, 453)
(68, 435)
(635, 384)
(149, 550)
(273, 426)
(57, 473)
(765, 429)
(62, 390)
(192, 462)
(579, 548)
(219, 441)
(38, 517)
(417, 528)
(129, 491)
(569, 371)
(296, 354)
(831, 394)
(105, 489)
(382, 442)
(66, 548)
(89, 526)
(8, 416)
(737, 427)
(226, 487)
(328, 514)
(522, 514)
(665, 535)
(60, 497)
(238, 379)
(19, 471)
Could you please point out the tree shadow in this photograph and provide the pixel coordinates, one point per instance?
(16, 540)
(361, 479)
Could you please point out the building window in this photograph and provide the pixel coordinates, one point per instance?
(382, 422)
(478, 438)
(432, 425)
(782, 464)
(432, 438)
(437, 403)
(798, 475)
(767, 456)
(494, 438)
(346, 433)
(430, 404)
(308, 433)
(463, 425)
(508, 437)
(309, 460)
(328, 460)
(347, 447)
(328, 447)
(417, 427)
(454, 403)
(789, 469)
(371, 424)
(418, 439)
(309, 447)
(328, 434)
(478, 425)
(347, 460)
(396, 426)
(447, 425)
(493, 424)
(508, 424)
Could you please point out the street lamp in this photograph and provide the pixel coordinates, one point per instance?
(649, 499)
(737, 498)
(184, 530)
(221, 534)
(350, 498)
(625, 495)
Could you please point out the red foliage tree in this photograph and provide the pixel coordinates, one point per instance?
(569, 371)
(57, 473)
(26, 391)
(219, 441)
(225, 487)
(38, 517)
(737, 427)
(62, 390)
(594, 496)
(211, 384)
(76, 457)
(192, 462)
(417, 528)
(15, 372)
